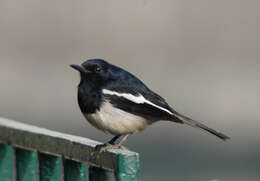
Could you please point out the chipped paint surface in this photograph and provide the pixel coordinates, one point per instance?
(6, 162)
(50, 167)
(26, 165)
(34, 129)
(128, 168)
(59, 146)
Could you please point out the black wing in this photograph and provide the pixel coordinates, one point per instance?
(154, 105)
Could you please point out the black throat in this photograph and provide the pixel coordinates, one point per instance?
(89, 96)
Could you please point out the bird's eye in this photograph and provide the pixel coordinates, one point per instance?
(97, 69)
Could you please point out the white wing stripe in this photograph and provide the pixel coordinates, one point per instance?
(136, 99)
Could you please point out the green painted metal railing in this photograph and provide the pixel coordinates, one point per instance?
(30, 153)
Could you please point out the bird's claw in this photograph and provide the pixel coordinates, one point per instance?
(106, 146)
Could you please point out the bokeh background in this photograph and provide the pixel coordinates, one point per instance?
(202, 56)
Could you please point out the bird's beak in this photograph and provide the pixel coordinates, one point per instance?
(79, 68)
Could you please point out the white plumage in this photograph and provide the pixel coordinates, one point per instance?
(116, 121)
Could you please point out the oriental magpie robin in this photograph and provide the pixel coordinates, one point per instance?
(115, 101)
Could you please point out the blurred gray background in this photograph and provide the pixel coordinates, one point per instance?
(202, 56)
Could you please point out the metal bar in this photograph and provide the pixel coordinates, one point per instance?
(98, 174)
(6, 162)
(75, 171)
(26, 165)
(127, 168)
(124, 163)
(50, 167)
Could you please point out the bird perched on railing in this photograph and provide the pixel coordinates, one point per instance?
(115, 101)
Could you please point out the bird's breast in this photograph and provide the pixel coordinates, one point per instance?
(89, 99)
(116, 121)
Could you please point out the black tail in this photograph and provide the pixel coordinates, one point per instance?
(196, 124)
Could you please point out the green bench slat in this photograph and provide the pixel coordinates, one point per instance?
(127, 168)
(6, 163)
(74, 171)
(50, 167)
(98, 174)
(26, 165)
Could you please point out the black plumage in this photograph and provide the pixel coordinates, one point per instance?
(106, 90)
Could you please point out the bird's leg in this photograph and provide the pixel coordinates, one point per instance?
(123, 139)
(111, 144)
(120, 144)
(113, 140)
(108, 144)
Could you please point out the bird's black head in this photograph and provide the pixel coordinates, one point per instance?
(94, 75)
(93, 69)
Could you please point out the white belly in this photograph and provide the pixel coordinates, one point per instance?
(116, 121)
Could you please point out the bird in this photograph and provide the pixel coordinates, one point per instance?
(115, 101)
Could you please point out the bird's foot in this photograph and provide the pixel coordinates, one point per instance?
(106, 146)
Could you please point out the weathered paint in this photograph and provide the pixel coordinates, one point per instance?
(119, 165)
(6, 163)
(26, 165)
(75, 171)
(98, 174)
(47, 141)
(50, 167)
(127, 168)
